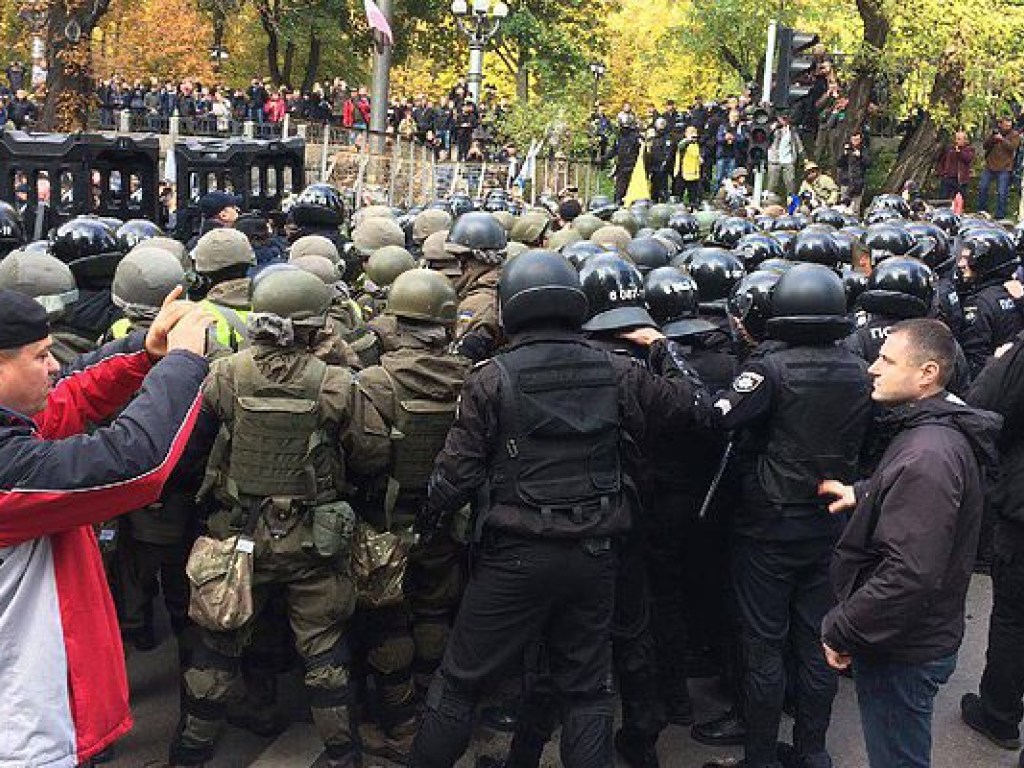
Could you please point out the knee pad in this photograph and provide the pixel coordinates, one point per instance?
(431, 638)
(327, 677)
(391, 655)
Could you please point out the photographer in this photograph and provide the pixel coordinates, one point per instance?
(1000, 148)
(852, 168)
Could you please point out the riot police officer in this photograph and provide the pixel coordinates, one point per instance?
(522, 431)
(415, 388)
(478, 241)
(985, 265)
(804, 407)
(276, 473)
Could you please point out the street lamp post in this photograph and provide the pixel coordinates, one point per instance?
(597, 69)
(479, 22)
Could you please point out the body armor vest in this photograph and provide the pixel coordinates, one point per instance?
(559, 445)
(821, 414)
(276, 448)
(417, 436)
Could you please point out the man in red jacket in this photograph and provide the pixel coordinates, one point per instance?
(903, 565)
(62, 676)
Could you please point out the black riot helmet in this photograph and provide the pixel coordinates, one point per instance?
(755, 248)
(477, 231)
(323, 196)
(788, 223)
(601, 206)
(539, 288)
(855, 282)
(814, 248)
(885, 240)
(577, 253)
(809, 306)
(829, 216)
(461, 204)
(845, 244)
(12, 232)
(670, 235)
(776, 265)
(989, 253)
(686, 225)
(891, 202)
(881, 216)
(672, 301)
(716, 272)
(945, 219)
(647, 253)
(134, 231)
(89, 247)
(728, 230)
(751, 301)
(899, 287)
(615, 294)
(933, 246)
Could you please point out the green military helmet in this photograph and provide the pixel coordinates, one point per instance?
(375, 233)
(222, 248)
(45, 278)
(659, 215)
(612, 236)
(563, 237)
(587, 224)
(505, 218)
(314, 245)
(428, 222)
(174, 247)
(514, 249)
(530, 228)
(291, 293)
(438, 258)
(425, 295)
(706, 218)
(143, 279)
(626, 220)
(387, 263)
(320, 266)
(372, 212)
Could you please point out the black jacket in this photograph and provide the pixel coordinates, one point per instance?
(991, 318)
(1000, 388)
(903, 565)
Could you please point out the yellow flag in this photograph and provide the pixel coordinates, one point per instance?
(639, 186)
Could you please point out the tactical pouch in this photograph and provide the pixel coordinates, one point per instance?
(333, 527)
(379, 561)
(220, 582)
(220, 573)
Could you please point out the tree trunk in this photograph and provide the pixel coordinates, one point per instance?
(312, 63)
(522, 79)
(876, 33)
(917, 160)
(268, 20)
(289, 61)
(69, 84)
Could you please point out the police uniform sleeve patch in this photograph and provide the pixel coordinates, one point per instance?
(747, 382)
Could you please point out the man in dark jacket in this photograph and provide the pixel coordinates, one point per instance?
(997, 711)
(903, 565)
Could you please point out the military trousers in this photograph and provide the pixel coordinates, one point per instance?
(783, 593)
(524, 590)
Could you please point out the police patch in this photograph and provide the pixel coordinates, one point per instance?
(747, 382)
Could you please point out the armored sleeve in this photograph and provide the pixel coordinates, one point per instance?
(748, 400)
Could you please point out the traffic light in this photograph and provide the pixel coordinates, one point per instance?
(760, 139)
(795, 64)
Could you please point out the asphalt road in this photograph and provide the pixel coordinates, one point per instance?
(154, 701)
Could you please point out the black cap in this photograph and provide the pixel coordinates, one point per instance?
(22, 320)
(214, 202)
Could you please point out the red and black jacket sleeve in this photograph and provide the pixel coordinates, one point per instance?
(53, 479)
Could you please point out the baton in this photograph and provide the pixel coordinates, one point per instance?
(716, 481)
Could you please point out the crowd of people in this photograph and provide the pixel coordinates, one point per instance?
(744, 442)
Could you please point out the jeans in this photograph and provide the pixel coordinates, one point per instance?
(1002, 179)
(896, 703)
(949, 186)
(723, 167)
(786, 172)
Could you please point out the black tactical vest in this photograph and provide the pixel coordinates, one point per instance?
(821, 413)
(558, 450)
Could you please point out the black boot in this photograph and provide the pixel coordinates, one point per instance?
(635, 749)
(728, 730)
